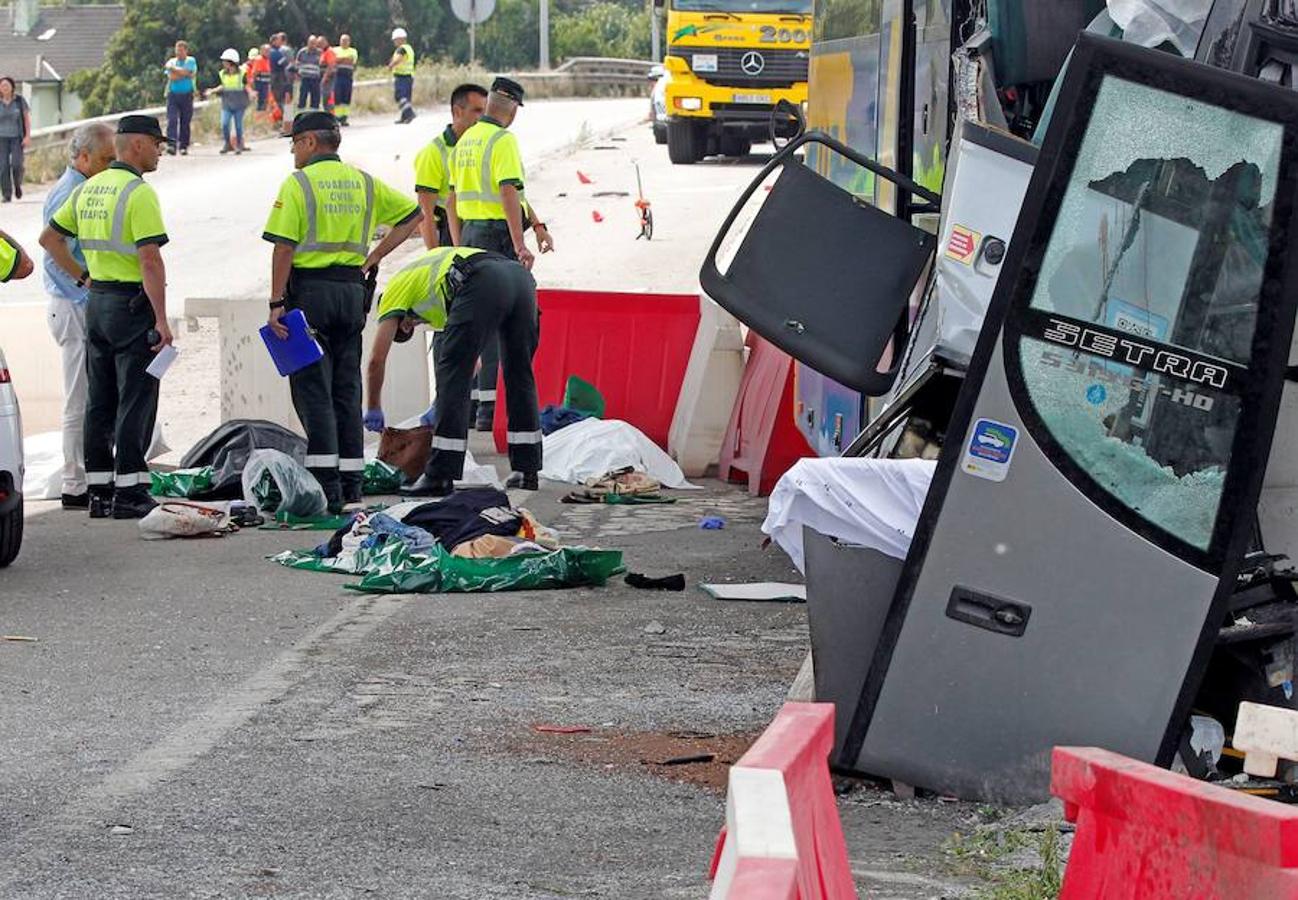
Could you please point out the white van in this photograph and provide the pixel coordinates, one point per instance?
(11, 468)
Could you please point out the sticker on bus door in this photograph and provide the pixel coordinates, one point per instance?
(990, 450)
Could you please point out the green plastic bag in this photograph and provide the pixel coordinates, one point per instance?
(584, 397)
(380, 478)
(285, 521)
(444, 573)
(385, 559)
(181, 482)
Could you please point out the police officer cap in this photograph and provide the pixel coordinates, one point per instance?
(510, 88)
(313, 121)
(146, 125)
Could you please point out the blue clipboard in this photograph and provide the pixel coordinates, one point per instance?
(299, 350)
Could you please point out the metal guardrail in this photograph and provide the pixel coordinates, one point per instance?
(601, 70)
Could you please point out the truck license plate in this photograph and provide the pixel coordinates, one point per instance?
(752, 98)
(704, 62)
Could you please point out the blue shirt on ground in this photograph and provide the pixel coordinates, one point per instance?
(181, 85)
(57, 282)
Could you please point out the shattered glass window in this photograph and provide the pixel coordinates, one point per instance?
(1161, 242)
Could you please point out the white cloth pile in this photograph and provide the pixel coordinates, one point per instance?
(592, 448)
(864, 502)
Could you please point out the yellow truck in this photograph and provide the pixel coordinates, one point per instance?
(728, 63)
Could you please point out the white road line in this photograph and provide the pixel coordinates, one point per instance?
(197, 736)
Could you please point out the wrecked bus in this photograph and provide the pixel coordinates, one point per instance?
(1083, 364)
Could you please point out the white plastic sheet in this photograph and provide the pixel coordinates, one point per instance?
(592, 447)
(1151, 23)
(865, 502)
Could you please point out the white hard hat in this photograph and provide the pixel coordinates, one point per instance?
(398, 33)
(230, 55)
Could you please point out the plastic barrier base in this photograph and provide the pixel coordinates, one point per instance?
(1144, 832)
(633, 348)
(783, 839)
(763, 441)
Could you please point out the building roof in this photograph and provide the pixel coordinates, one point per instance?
(79, 40)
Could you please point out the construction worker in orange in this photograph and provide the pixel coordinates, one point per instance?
(259, 74)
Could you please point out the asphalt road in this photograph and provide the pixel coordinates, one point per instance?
(193, 720)
(263, 732)
(215, 206)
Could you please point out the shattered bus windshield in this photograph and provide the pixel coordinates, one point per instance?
(1147, 299)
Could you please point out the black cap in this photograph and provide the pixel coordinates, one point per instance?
(510, 88)
(140, 125)
(313, 121)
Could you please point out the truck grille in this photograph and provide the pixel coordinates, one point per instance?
(778, 68)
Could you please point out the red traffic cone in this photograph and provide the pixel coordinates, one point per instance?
(584, 178)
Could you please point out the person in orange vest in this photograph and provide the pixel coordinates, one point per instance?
(259, 74)
(328, 69)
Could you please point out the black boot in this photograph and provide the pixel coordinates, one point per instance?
(132, 503)
(75, 501)
(527, 481)
(428, 487)
(486, 416)
(100, 503)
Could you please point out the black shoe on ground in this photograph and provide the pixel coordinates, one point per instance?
(527, 481)
(224, 150)
(18, 191)
(429, 487)
(350, 497)
(132, 504)
(485, 417)
(334, 508)
(184, 151)
(171, 149)
(100, 505)
(75, 501)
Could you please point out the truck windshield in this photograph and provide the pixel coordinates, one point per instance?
(737, 7)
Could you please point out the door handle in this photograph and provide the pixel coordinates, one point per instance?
(996, 614)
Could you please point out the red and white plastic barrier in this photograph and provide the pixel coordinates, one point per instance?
(1144, 832)
(783, 839)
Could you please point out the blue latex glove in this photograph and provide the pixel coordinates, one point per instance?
(429, 417)
(374, 420)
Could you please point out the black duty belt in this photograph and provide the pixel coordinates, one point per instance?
(346, 274)
(120, 288)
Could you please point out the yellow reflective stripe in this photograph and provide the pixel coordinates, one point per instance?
(486, 195)
(311, 242)
(435, 259)
(445, 153)
(116, 242)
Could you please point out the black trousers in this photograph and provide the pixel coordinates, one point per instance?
(343, 79)
(498, 297)
(122, 399)
(327, 394)
(309, 94)
(493, 235)
(11, 165)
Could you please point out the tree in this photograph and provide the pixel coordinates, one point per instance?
(369, 22)
(132, 77)
(602, 29)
